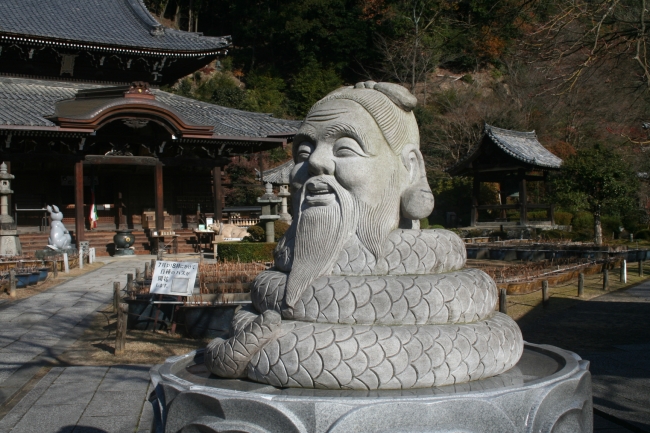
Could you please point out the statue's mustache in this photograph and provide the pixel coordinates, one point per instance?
(320, 190)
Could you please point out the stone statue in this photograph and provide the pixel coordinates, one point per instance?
(60, 238)
(360, 297)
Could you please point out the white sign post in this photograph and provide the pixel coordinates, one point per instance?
(174, 278)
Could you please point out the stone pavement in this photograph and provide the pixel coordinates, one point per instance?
(613, 333)
(36, 330)
(85, 400)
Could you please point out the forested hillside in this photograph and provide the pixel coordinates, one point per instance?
(576, 71)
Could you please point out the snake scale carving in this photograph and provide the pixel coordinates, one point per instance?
(423, 322)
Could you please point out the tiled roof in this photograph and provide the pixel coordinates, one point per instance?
(105, 22)
(523, 146)
(227, 121)
(26, 102)
(279, 175)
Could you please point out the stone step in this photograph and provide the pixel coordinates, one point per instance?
(101, 240)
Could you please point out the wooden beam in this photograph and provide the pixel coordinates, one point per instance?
(218, 194)
(79, 219)
(151, 161)
(158, 184)
(120, 160)
(194, 162)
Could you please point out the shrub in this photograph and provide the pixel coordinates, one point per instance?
(538, 215)
(642, 234)
(475, 233)
(555, 234)
(563, 218)
(582, 236)
(424, 223)
(499, 234)
(437, 226)
(246, 251)
(611, 224)
(257, 234)
(280, 228)
(583, 221)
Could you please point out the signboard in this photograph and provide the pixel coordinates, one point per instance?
(174, 278)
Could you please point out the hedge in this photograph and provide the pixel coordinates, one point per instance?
(246, 251)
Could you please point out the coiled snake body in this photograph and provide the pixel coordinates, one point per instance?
(423, 322)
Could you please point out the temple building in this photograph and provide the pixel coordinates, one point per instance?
(513, 160)
(83, 120)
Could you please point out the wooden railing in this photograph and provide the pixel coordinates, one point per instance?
(244, 222)
(523, 211)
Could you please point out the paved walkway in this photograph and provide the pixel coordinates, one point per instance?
(36, 330)
(85, 400)
(613, 333)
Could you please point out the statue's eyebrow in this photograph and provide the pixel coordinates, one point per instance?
(306, 131)
(351, 131)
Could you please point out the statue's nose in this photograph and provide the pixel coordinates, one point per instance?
(320, 162)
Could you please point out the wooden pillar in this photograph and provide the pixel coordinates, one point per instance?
(523, 199)
(503, 200)
(551, 211)
(475, 193)
(158, 182)
(120, 220)
(79, 219)
(218, 194)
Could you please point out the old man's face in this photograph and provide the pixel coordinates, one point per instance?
(341, 139)
(346, 190)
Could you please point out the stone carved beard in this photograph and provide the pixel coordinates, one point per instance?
(376, 223)
(320, 234)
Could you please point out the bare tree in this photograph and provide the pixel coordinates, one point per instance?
(584, 35)
(415, 52)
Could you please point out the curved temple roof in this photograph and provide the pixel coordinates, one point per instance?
(278, 175)
(28, 103)
(124, 23)
(522, 146)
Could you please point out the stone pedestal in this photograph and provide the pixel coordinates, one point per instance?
(124, 252)
(9, 242)
(269, 202)
(549, 390)
(49, 254)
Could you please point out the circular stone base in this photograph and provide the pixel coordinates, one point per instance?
(549, 390)
(124, 252)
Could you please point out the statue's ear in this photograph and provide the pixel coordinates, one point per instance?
(417, 200)
(49, 208)
(56, 208)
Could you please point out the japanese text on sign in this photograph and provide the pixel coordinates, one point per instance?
(174, 278)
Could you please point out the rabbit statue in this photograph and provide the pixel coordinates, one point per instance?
(60, 238)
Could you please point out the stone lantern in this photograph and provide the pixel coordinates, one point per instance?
(284, 194)
(269, 202)
(5, 190)
(9, 243)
